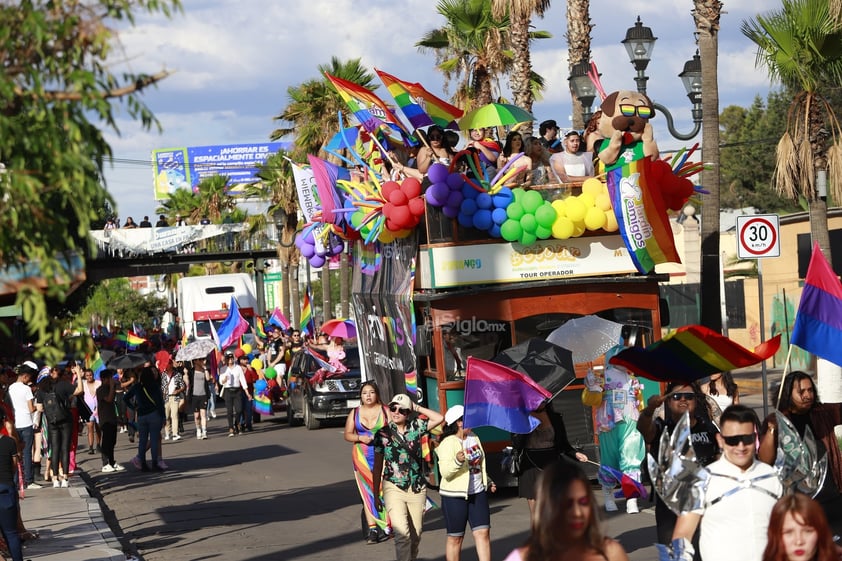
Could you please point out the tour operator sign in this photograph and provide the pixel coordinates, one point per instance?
(185, 167)
(451, 266)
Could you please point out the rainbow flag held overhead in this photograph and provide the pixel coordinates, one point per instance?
(259, 328)
(131, 339)
(262, 405)
(306, 324)
(691, 353)
(372, 113)
(641, 215)
(818, 323)
(420, 106)
(95, 363)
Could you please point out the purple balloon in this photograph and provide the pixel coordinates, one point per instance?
(299, 241)
(449, 211)
(455, 180)
(321, 251)
(454, 200)
(308, 250)
(437, 194)
(337, 248)
(308, 237)
(437, 173)
(317, 261)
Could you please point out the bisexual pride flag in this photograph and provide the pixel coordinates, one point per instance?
(818, 323)
(498, 396)
(232, 327)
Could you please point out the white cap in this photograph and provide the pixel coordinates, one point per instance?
(402, 400)
(453, 414)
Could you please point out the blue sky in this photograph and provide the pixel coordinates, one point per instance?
(234, 60)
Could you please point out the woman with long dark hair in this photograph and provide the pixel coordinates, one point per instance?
(565, 523)
(723, 390)
(360, 426)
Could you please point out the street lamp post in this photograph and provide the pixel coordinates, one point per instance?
(639, 43)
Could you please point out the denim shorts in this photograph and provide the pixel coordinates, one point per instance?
(458, 512)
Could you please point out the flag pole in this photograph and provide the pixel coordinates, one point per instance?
(783, 377)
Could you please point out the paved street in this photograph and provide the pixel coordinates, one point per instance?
(283, 493)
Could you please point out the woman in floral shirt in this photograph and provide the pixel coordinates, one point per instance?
(398, 463)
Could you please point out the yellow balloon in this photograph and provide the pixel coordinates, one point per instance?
(578, 228)
(592, 186)
(560, 207)
(594, 219)
(256, 363)
(610, 222)
(386, 236)
(587, 200)
(246, 348)
(575, 209)
(562, 228)
(603, 201)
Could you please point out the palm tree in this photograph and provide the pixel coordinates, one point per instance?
(579, 29)
(520, 14)
(311, 116)
(707, 14)
(799, 46)
(469, 48)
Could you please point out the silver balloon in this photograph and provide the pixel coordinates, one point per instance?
(678, 477)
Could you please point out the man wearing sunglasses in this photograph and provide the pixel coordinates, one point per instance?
(679, 398)
(738, 497)
(398, 462)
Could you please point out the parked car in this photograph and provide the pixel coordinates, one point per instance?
(333, 398)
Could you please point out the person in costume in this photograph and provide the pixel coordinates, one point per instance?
(463, 487)
(565, 523)
(360, 426)
(800, 404)
(621, 445)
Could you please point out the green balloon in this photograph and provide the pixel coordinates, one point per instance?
(543, 233)
(545, 215)
(528, 239)
(511, 230)
(518, 194)
(357, 219)
(270, 373)
(532, 200)
(528, 223)
(514, 210)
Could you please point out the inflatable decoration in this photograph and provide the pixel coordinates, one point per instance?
(270, 373)
(384, 211)
(246, 348)
(260, 386)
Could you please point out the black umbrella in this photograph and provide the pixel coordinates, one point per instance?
(548, 364)
(129, 360)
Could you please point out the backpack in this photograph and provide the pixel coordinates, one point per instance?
(55, 409)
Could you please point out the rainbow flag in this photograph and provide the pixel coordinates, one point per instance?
(497, 396)
(372, 113)
(259, 328)
(278, 318)
(307, 315)
(818, 325)
(262, 405)
(95, 363)
(131, 339)
(641, 214)
(420, 106)
(691, 353)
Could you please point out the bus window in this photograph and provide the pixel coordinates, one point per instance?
(478, 338)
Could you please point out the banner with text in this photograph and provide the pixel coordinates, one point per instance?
(383, 279)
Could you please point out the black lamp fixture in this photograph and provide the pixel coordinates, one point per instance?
(583, 88)
(639, 43)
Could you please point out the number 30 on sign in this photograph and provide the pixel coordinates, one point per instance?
(758, 236)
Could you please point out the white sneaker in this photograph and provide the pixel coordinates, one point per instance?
(610, 504)
(167, 436)
(631, 506)
(213, 414)
(33, 485)
(108, 469)
(64, 484)
(198, 434)
(204, 435)
(176, 437)
(56, 484)
(118, 467)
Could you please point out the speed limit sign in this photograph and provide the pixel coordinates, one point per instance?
(758, 236)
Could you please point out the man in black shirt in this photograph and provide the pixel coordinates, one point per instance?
(145, 222)
(162, 222)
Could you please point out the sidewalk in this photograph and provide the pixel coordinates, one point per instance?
(70, 524)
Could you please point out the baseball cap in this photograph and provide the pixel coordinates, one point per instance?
(453, 414)
(28, 367)
(572, 132)
(402, 400)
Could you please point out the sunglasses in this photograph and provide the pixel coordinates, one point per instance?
(686, 396)
(735, 440)
(435, 137)
(641, 110)
(397, 409)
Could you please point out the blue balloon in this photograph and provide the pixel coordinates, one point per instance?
(484, 201)
(469, 206)
(260, 386)
(494, 231)
(469, 192)
(465, 220)
(498, 215)
(482, 219)
(503, 197)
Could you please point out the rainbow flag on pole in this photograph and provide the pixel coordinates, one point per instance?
(372, 113)
(259, 328)
(307, 315)
(131, 339)
(95, 363)
(420, 106)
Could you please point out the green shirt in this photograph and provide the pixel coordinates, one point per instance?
(401, 454)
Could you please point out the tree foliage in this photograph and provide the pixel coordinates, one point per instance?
(115, 302)
(58, 91)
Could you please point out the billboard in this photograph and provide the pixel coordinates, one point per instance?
(185, 167)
